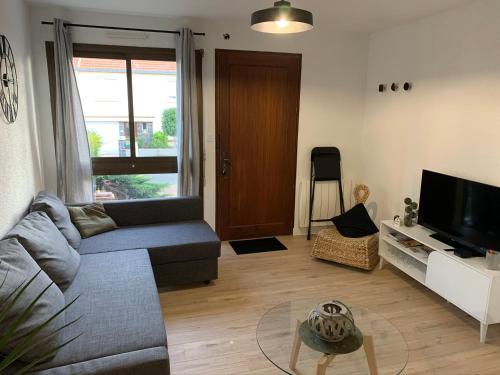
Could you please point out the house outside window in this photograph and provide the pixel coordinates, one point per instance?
(106, 99)
(129, 97)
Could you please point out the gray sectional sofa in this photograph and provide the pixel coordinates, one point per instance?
(159, 243)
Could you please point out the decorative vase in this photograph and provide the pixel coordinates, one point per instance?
(331, 321)
(411, 212)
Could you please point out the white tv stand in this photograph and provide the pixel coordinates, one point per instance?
(464, 282)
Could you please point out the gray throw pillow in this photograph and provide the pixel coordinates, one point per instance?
(58, 213)
(48, 247)
(16, 268)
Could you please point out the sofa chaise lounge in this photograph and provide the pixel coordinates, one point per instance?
(181, 245)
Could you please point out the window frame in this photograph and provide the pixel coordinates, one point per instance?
(131, 164)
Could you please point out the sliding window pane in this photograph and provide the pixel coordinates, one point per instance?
(154, 94)
(103, 91)
(138, 186)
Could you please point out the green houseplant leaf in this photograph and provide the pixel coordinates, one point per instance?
(30, 341)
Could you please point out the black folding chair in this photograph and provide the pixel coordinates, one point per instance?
(325, 166)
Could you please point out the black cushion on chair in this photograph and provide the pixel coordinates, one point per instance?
(355, 223)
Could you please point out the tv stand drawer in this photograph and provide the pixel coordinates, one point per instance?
(459, 284)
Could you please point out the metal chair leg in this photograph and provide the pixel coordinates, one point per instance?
(312, 186)
(342, 207)
(311, 206)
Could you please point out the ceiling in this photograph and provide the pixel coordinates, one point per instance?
(351, 15)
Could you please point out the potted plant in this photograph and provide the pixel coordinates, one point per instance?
(29, 342)
(411, 212)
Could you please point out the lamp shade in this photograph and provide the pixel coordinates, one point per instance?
(282, 19)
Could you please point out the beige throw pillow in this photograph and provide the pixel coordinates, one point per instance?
(91, 219)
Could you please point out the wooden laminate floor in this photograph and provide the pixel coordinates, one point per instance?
(211, 329)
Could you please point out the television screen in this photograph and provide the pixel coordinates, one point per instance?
(465, 211)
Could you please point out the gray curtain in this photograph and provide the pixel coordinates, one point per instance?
(74, 170)
(188, 143)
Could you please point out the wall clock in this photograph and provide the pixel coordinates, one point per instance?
(8, 81)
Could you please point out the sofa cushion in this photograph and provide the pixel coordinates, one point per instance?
(58, 213)
(118, 305)
(91, 219)
(16, 268)
(48, 247)
(172, 242)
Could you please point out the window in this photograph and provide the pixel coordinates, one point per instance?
(128, 97)
(138, 186)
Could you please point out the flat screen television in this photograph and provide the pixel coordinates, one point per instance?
(464, 214)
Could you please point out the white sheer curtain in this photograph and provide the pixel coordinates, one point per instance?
(74, 169)
(188, 142)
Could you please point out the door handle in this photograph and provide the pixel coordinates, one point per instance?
(225, 164)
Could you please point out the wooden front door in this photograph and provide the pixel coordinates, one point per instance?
(257, 107)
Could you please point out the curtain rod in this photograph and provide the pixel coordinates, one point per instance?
(119, 28)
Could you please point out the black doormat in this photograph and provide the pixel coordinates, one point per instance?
(260, 245)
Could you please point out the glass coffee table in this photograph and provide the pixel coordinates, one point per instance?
(379, 347)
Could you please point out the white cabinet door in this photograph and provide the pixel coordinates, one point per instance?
(459, 284)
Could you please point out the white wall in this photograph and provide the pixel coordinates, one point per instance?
(20, 173)
(333, 81)
(450, 122)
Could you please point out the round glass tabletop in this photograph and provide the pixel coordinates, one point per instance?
(276, 332)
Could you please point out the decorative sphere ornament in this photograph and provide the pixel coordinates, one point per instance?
(331, 321)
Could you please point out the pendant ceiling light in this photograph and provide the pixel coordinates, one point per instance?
(282, 19)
